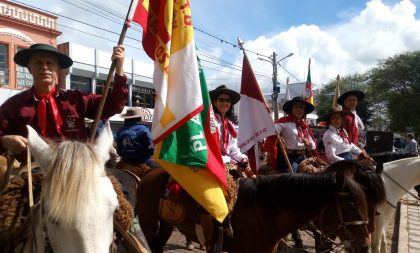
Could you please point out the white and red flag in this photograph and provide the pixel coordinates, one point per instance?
(255, 122)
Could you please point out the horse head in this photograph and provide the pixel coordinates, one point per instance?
(75, 213)
(351, 216)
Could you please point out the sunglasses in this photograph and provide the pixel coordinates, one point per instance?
(221, 100)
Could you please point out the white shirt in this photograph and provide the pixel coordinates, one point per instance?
(411, 147)
(233, 153)
(335, 145)
(290, 135)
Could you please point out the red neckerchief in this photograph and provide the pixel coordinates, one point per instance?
(303, 129)
(228, 128)
(42, 110)
(343, 135)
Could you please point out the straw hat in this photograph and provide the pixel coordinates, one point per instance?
(222, 89)
(133, 112)
(23, 56)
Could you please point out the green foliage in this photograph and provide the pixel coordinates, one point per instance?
(392, 91)
(352, 82)
(395, 83)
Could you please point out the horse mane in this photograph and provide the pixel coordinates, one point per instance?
(367, 180)
(385, 157)
(71, 181)
(289, 190)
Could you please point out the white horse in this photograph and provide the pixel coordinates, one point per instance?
(405, 172)
(78, 201)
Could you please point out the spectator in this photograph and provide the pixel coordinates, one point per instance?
(411, 147)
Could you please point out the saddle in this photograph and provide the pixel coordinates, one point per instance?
(178, 208)
(312, 165)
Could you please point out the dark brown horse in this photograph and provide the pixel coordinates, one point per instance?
(270, 207)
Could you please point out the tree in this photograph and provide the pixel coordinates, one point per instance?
(395, 85)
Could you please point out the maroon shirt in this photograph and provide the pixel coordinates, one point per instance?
(349, 123)
(73, 106)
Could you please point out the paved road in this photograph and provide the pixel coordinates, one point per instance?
(409, 232)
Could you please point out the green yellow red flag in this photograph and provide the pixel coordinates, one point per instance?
(308, 95)
(183, 131)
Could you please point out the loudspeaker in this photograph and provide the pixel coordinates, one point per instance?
(379, 142)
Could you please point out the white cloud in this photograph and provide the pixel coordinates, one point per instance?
(354, 46)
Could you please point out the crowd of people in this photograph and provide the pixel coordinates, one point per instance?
(60, 114)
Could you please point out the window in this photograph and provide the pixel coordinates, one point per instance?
(100, 85)
(80, 83)
(23, 77)
(4, 70)
(143, 97)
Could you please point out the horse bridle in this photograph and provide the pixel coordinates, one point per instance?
(343, 225)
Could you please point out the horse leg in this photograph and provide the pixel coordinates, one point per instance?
(151, 188)
(162, 236)
(383, 241)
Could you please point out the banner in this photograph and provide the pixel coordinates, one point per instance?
(255, 122)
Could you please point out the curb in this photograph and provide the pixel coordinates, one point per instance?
(403, 229)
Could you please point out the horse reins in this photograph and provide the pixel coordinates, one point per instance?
(402, 187)
(343, 224)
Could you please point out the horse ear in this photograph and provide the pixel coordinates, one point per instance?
(39, 148)
(104, 143)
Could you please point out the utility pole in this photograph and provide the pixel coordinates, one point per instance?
(276, 89)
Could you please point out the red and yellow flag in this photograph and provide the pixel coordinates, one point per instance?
(186, 142)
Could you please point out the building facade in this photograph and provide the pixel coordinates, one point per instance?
(90, 69)
(20, 27)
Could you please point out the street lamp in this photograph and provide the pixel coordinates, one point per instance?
(276, 89)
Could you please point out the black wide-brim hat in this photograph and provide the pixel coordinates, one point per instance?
(287, 107)
(23, 56)
(357, 93)
(222, 89)
(327, 116)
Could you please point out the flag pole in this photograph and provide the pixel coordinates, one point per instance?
(95, 123)
(336, 93)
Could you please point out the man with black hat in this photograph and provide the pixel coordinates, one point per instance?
(352, 122)
(55, 113)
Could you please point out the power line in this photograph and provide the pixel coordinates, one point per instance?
(114, 14)
(94, 35)
(231, 64)
(81, 22)
(290, 73)
(227, 42)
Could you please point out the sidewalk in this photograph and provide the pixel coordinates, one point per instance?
(409, 231)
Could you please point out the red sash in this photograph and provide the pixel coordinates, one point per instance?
(42, 111)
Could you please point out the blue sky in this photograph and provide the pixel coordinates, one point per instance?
(341, 37)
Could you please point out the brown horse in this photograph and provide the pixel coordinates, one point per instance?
(270, 207)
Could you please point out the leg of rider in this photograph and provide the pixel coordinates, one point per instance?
(298, 240)
(189, 244)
